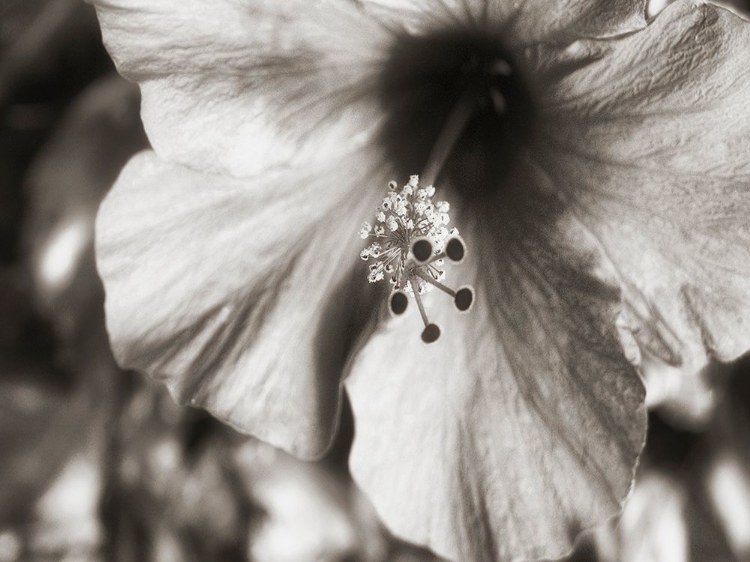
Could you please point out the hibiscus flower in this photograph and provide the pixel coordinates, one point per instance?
(596, 167)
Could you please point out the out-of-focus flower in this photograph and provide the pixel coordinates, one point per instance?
(726, 463)
(728, 487)
(686, 402)
(653, 526)
(596, 167)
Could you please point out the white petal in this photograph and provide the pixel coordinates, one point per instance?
(234, 292)
(650, 144)
(521, 425)
(242, 86)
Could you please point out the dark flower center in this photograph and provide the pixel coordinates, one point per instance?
(426, 78)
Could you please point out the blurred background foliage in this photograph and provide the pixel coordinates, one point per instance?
(98, 464)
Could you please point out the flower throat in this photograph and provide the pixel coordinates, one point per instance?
(458, 92)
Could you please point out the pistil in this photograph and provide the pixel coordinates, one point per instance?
(454, 125)
(412, 239)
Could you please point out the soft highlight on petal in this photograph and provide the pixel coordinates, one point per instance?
(233, 292)
(518, 24)
(242, 86)
(649, 144)
(521, 426)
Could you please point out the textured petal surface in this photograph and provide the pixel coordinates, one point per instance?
(240, 86)
(519, 23)
(522, 425)
(650, 145)
(228, 290)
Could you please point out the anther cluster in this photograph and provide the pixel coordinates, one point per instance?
(411, 242)
(404, 216)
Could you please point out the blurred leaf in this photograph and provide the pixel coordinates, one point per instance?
(49, 51)
(45, 42)
(33, 402)
(64, 186)
(59, 379)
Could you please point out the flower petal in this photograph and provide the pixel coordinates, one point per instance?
(231, 291)
(649, 143)
(242, 86)
(521, 426)
(521, 23)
